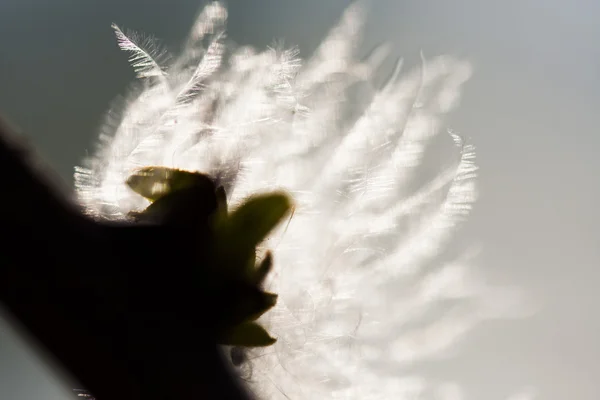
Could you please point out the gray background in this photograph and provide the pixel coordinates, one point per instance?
(530, 108)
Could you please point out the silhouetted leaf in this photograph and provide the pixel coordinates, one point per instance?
(248, 334)
(247, 226)
(269, 301)
(263, 269)
(189, 198)
(251, 307)
(156, 182)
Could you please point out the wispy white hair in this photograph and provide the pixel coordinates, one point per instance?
(369, 278)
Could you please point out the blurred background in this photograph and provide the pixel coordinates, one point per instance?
(530, 108)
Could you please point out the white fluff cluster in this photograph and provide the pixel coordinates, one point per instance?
(369, 281)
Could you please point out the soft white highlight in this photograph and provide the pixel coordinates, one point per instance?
(369, 278)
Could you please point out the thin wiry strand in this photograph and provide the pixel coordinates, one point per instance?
(369, 278)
